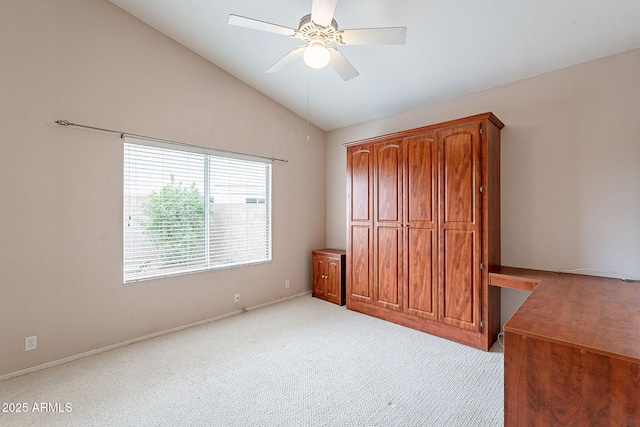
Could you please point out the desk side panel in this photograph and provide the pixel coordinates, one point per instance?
(547, 383)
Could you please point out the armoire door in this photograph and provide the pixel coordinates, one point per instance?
(360, 232)
(420, 231)
(460, 226)
(388, 243)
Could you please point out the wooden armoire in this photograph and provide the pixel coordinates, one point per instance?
(423, 228)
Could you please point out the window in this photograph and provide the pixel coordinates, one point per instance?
(189, 209)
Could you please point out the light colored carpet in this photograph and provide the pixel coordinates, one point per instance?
(300, 362)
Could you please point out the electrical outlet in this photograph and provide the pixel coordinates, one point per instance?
(31, 343)
(236, 298)
(287, 284)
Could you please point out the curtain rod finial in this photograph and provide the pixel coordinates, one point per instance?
(63, 122)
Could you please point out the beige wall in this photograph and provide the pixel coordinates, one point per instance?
(570, 166)
(90, 62)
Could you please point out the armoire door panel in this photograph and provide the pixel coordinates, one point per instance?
(420, 295)
(421, 179)
(360, 184)
(388, 265)
(459, 291)
(360, 276)
(388, 183)
(459, 181)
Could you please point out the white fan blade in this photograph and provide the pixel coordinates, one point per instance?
(288, 58)
(322, 11)
(390, 35)
(241, 21)
(342, 65)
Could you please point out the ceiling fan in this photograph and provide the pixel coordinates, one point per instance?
(320, 33)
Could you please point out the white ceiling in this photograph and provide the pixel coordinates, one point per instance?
(453, 47)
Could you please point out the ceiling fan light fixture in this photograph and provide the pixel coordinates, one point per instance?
(316, 56)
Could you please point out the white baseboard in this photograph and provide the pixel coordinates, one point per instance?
(135, 340)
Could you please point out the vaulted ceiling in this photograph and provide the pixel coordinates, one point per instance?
(452, 47)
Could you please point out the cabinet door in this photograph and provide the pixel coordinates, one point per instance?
(388, 224)
(359, 237)
(460, 226)
(318, 275)
(332, 280)
(421, 291)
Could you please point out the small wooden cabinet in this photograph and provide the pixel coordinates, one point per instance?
(328, 281)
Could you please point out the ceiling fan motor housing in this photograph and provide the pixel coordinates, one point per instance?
(310, 32)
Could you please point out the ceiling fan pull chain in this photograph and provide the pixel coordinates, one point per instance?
(308, 103)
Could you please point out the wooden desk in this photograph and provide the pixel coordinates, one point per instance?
(572, 352)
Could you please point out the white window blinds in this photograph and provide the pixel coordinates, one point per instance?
(189, 209)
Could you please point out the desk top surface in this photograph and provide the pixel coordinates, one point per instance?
(596, 314)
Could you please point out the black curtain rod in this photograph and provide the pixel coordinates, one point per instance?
(122, 134)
